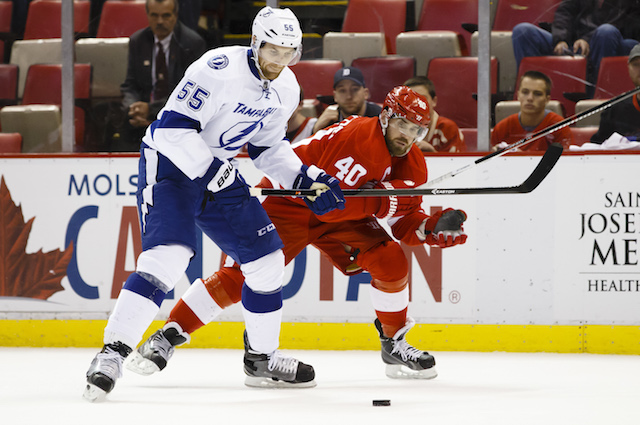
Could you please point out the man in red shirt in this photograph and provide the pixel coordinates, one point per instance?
(361, 152)
(444, 134)
(534, 93)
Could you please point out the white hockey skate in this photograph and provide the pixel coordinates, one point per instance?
(105, 369)
(402, 360)
(152, 356)
(275, 370)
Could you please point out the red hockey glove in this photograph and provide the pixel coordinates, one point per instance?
(444, 228)
(392, 205)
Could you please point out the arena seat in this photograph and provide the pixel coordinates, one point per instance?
(425, 45)
(8, 84)
(470, 138)
(39, 126)
(44, 86)
(10, 143)
(502, 49)
(121, 18)
(450, 15)
(582, 135)
(613, 77)
(316, 76)
(25, 53)
(108, 59)
(6, 10)
(383, 73)
(456, 82)
(384, 16)
(44, 19)
(509, 13)
(346, 46)
(568, 74)
(591, 120)
(505, 108)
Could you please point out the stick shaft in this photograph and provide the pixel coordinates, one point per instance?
(543, 168)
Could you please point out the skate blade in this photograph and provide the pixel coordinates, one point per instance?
(138, 364)
(261, 382)
(94, 394)
(396, 371)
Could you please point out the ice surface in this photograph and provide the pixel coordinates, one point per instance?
(44, 386)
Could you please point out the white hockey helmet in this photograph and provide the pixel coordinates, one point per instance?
(279, 27)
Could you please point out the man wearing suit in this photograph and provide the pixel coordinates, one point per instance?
(158, 57)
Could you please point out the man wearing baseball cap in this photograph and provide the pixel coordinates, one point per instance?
(350, 94)
(623, 117)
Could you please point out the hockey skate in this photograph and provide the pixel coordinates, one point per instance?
(402, 360)
(105, 368)
(152, 356)
(275, 370)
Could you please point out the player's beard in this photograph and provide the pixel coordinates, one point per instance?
(271, 71)
(399, 146)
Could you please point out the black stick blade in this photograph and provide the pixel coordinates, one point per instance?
(544, 167)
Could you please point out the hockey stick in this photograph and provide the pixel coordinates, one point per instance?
(540, 134)
(541, 171)
(543, 168)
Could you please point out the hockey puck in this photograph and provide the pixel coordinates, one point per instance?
(382, 402)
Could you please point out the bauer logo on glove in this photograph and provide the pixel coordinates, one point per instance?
(443, 229)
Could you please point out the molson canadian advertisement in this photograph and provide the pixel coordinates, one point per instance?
(564, 255)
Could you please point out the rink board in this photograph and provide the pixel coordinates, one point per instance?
(554, 270)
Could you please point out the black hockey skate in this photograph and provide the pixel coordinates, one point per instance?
(152, 356)
(105, 369)
(403, 360)
(275, 370)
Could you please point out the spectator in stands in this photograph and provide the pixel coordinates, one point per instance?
(444, 134)
(158, 57)
(534, 93)
(583, 27)
(299, 126)
(623, 117)
(351, 96)
(188, 13)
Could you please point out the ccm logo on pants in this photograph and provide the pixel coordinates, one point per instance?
(268, 228)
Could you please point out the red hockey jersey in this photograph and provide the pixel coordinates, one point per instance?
(355, 152)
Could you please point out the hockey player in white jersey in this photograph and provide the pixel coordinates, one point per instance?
(230, 97)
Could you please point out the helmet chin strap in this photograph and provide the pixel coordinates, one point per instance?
(254, 57)
(384, 122)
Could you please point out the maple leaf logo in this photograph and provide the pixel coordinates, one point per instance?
(26, 275)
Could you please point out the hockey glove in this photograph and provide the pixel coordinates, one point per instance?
(444, 228)
(329, 195)
(223, 183)
(390, 206)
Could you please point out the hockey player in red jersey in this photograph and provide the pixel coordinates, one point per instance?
(360, 152)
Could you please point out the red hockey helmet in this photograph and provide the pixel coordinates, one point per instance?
(402, 102)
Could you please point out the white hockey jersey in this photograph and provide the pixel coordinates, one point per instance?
(221, 104)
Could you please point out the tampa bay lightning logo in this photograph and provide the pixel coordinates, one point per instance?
(218, 62)
(234, 138)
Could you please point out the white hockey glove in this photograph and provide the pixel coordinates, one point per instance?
(223, 183)
(224, 176)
